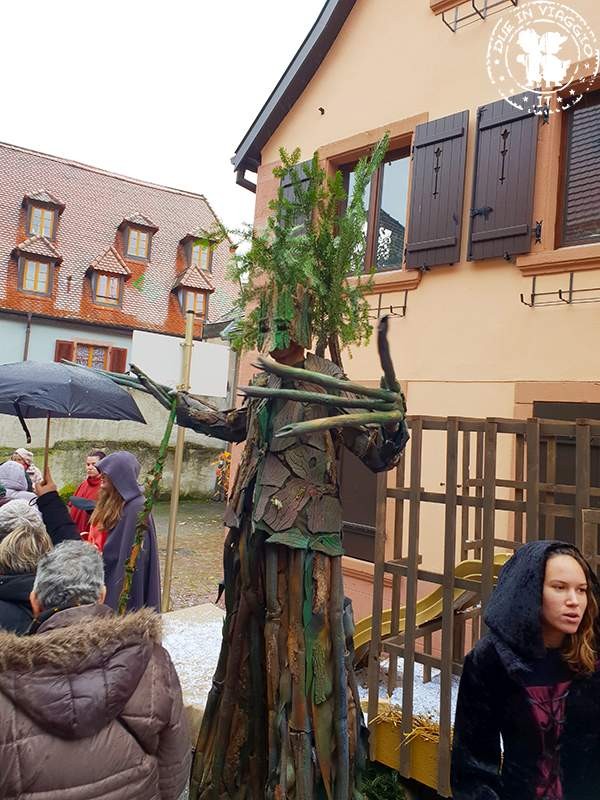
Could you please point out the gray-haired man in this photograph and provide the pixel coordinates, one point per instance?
(96, 692)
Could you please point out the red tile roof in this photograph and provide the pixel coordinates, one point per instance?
(45, 197)
(96, 204)
(38, 246)
(194, 278)
(110, 261)
(139, 219)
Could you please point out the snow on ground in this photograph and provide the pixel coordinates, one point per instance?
(426, 697)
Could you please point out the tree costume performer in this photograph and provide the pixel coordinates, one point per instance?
(283, 717)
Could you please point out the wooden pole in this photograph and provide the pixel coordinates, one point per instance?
(46, 447)
(186, 363)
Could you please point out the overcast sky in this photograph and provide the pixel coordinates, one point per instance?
(161, 90)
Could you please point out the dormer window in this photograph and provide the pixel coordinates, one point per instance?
(137, 243)
(200, 255)
(108, 289)
(37, 260)
(108, 274)
(194, 300)
(138, 231)
(35, 276)
(42, 212)
(41, 222)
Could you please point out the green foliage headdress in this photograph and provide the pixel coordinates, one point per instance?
(294, 277)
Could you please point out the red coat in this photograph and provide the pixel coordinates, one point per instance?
(88, 489)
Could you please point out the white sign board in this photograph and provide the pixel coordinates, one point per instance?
(160, 356)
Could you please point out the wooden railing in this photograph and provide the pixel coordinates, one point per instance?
(475, 449)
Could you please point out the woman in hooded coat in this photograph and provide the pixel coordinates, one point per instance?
(527, 721)
(14, 480)
(112, 530)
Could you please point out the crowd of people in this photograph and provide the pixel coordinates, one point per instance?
(76, 679)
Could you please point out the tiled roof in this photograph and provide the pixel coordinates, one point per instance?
(38, 246)
(45, 197)
(197, 233)
(97, 202)
(140, 219)
(194, 278)
(110, 261)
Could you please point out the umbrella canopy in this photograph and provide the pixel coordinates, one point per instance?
(33, 389)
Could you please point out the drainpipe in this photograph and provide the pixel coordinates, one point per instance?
(27, 337)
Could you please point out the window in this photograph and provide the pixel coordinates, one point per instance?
(581, 178)
(41, 222)
(91, 355)
(386, 201)
(35, 276)
(194, 301)
(108, 289)
(137, 243)
(200, 255)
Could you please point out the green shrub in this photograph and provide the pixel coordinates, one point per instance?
(67, 490)
(382, 783)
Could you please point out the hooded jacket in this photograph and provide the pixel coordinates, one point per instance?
(493, 699)
(91, 709)
(14, 480)
(123, 470)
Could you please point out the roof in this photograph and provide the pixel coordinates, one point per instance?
(292, 83)
(194, 278)
(139, 219)
(45, 197)
(110, 261)
(198, 233)
(88, 231)
(38, 246)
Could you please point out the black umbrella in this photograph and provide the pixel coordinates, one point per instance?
(34, 389)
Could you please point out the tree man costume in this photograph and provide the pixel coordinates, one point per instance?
(283, 718)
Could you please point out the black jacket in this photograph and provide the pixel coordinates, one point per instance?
(15, 611)
(57, 519)
(492, 700)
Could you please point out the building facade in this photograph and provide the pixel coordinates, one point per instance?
(87, 257)
(484, 220)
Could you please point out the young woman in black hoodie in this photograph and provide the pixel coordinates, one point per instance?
(527, 721)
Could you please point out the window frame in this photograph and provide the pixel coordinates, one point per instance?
(561, 204)
(103, 301)
(91, 346)
(22, 268)
(52, 212)
(196, 292)
(394, 153)
(148, 234)
(205, 246)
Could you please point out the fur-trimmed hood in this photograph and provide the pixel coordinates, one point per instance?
(78, 672)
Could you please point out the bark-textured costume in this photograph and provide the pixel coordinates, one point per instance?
(283, 717)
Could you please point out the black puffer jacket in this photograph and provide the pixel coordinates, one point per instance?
(15, 611)
(493, 703)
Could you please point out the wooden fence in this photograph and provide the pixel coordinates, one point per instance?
(497, 514)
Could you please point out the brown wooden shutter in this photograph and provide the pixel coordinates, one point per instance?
(64, 349)
(437, 189)
(117, 359)
(581, 215)
(502, 202)
(288, 188)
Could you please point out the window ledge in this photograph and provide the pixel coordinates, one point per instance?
(565, 259)
(393, 281)
(438, 6)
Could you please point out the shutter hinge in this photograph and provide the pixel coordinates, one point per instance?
(538, 231)
(412, 152)
(543, 111)
(405, 254)
(484, 212)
